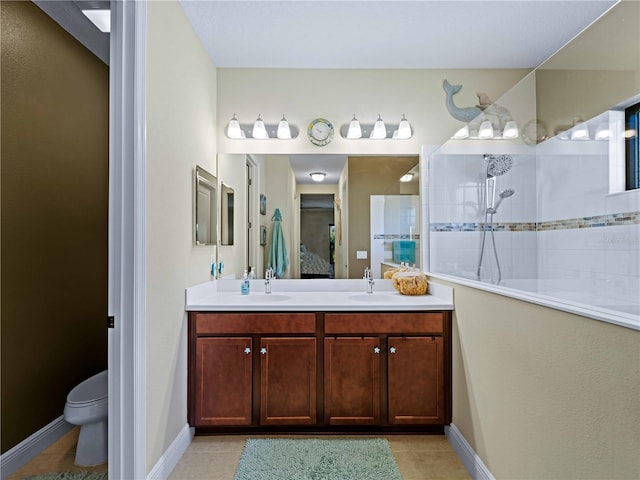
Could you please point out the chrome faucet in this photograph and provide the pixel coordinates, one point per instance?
(368, 276)
(267, 280)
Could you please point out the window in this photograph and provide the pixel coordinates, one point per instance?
(632, 146)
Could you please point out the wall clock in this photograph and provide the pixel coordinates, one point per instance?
(320, 132)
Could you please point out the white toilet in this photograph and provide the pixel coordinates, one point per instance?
(87, 406)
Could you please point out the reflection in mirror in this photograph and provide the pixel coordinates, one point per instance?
(226, 214)
(206, 207)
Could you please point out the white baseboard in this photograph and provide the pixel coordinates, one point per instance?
(474, 464)
(22, 453)
(172, 455)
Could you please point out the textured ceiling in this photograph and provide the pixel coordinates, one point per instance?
(388, 34)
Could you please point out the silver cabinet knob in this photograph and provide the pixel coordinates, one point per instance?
(247, 350)
(376, 350)
(392, 350)
(263, 351)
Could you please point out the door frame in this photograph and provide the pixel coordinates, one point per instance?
(127, 241)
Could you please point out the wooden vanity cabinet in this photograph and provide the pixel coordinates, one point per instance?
(252, 369)
(384, 371)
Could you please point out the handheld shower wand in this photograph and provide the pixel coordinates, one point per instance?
(503, 194)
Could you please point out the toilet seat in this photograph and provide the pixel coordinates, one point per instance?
(92, 390)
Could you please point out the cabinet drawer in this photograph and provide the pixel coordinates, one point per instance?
(383, 323)
(247, 323)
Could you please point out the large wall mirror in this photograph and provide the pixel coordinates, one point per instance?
(205, 207)
(226, 214)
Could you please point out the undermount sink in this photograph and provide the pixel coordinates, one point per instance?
(371, 297)
(269, 298)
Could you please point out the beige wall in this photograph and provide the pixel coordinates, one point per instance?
(55, 153)
(181, 105)
(596, 71)
(544, 394)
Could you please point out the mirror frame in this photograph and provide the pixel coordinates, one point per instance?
(205, 182)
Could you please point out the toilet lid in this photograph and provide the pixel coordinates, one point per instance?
(91, 390)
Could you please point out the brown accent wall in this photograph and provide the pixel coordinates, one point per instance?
(370, 176)
(54, 128)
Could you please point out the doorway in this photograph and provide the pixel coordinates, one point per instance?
(317, 235)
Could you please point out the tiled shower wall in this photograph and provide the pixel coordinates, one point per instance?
(456, 215)
(561, 224)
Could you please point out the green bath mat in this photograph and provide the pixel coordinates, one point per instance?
(314, 459)
(82, 475)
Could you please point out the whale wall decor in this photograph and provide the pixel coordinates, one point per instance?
(462, 114)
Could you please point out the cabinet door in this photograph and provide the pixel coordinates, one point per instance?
(223, 381)
(288, 381)
(416, 380)
(352, 381)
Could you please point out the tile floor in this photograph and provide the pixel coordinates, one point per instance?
(419, 457)
(56, 458)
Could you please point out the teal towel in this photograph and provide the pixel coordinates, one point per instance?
(278, 256)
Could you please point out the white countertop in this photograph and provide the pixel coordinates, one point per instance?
(314, 295)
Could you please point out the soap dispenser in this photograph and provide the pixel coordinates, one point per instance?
(245, 286)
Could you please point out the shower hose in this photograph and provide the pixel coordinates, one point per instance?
(493, 241)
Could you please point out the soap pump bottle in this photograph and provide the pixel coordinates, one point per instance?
(245, 285)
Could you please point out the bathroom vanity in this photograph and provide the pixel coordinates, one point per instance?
(333, 360)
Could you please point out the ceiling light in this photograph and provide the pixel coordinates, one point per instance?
(284, 131)
(407, 177)
(379, 129)
(510, 130)
(404, 129)
(355, 131)
(100, 18)
(259, 130)
(318, 176)
(486, 130)
(462, 133)
(233, 129)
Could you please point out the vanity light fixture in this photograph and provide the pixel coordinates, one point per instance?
(486, 130)
(379, 129)
(462, 133)
(404, 129)
(602, 132)
(101, 18)
(284, 131)
(233, 129)
(259, 131)
(510, 130)
(355, 131)
(318, 176)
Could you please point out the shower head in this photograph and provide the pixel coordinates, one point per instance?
(506, 193)
(498, 165)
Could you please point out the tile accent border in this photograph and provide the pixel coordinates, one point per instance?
(607, 220)
(396, 236)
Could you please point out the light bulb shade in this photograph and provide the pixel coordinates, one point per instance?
(486, 130)
(233, 129)
(510, 130)
(355, 131)
(462, 133)
(284, 131)
(379, 129)
(317, 176)
(581, 132)
(259, 130)
(404, 129)
(602, 132)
